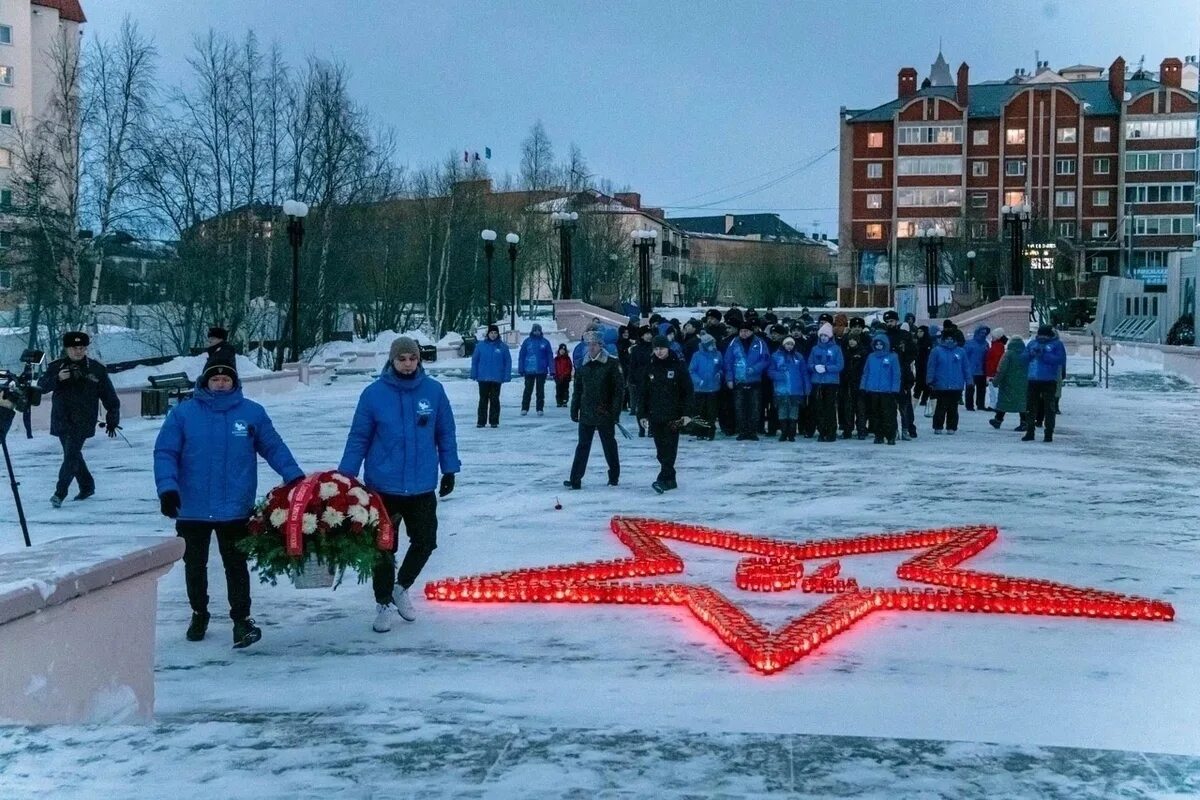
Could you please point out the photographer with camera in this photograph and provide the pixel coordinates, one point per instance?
(78, 384)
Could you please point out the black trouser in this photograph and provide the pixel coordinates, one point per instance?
(825, 400)
(635, 403)
(562, 391)
(1024, 417)
(706, 409)
(806, 420)
(905, 406)
(945, 411)
(882, 408)
(976, 393)
(1042, 403)
(489, 403)
(608, 441)
(769, 414)
(745, 408)
(852, 409)
(534, 382)
(666, 447)
(196, 537)
(418, 513)
(726, 413)
(73, 467)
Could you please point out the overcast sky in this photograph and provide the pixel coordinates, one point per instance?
(691, 103)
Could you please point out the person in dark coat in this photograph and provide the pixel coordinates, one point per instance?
(402, 436)
(666, 406)
(79, 384)
(219, 348)
(562, 376)
(977, 350)
(906, 349)
(1012, 384)
(206, 477)
(491, 366)
(690, 341)
(640, 355)
(924, 342)
(852, 405)
(596, 406)
(534, 362)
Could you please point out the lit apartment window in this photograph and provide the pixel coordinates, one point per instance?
(929, 165)
(874, 230)
(1064, 198)
(979, 137)
(1101, 166)
(1064, 166)
(930, 134)
(1102, 134)
(979, 201)
(1161, 129)
(1100, 197)
(874, 201)
(1014, 166)
(5, 158)
(6, 76)
(6, 117)
(1014, 198)
(875, 139)
(1065, 230)
(874, 171)
(5, 34)
(947, 196)
(1100, 231)
(979, 168)
(1066, 135)
(1014, 136)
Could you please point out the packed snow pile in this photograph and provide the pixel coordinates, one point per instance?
(137, 377)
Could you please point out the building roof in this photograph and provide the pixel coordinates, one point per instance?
(743, 225)
(67, 9)
(988, 99)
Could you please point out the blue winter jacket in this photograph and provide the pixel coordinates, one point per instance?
(491, 362)
(744, 365)
(789, 373)
(705, 369)
(947, 368)
(829, 355)
(404, 430)
(881, 370)
(1046, 358)
(206, 450)
(976, 349)
(536, 357)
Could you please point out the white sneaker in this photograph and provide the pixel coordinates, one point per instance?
(403, 605)
(383, 618)
(539, 413)
(524, 412)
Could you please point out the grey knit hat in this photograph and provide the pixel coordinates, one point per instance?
(404, 345)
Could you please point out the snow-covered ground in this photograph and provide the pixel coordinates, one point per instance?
(602, 701)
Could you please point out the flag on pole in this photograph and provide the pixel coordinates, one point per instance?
(487, 153)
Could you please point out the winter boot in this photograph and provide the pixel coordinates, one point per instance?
(383, 618)
(198, 628)
(572, 484)
(861, 435)
(245, 633)
(85, 494)
(995, 423)
(912, 431)
(1021, 428)
(524, 412)
(891, 440)
(404, 606)
(670, 485)
(904, 437)
(879, 438)
(659, 487)
(1048, 436)
(1029, 434)
(56, 501)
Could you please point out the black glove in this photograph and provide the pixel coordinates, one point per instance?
(168, 502)
(574, 416)
(447, 484)
(111, 429)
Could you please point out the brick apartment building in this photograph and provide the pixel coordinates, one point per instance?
(1106, 160)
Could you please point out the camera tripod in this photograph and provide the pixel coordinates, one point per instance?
(12, 479)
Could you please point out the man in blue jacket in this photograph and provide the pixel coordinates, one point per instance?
(206, 476)
(491, 365)
(403, 429)
(746, 359)
(976, 352)
(534, 362)
(947, 374)
(825, 364)
(880, 383)
(705, 370)
(1047, 358)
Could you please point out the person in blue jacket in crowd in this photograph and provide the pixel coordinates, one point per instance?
(976, 352)
(947, 373)
(403, 435)
(534, 362)
(880, 384)
(706, 371)
(1047, 358)
(491, 366)
(746, 359)
(608, 340)
(206, 477)
(791, 385)
(825, 364)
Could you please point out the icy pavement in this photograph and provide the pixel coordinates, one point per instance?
(575, 701)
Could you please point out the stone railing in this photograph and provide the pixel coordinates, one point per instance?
(77, 625)
(1010, 312)
(573, 316)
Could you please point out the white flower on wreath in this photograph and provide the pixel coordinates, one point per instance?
(372, 515)
(359, 514)
(329, 489)
(332, 517)
(340, 478)
(361, 495)
(278, 517)
(310, 523)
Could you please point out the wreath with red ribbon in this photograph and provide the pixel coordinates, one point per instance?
(327, 518)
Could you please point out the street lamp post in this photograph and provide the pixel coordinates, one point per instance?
(513, 240)
(931, 241)
(489, 250)
(565, 221)
(295, 212)
(1041, 269)
(644, 242)
(1016, 217)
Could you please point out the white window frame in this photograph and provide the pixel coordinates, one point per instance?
(979, 169)
(930, 134)
(1064, 198)
(979, 230)
(1014, 136)
(929, 165)
(1100, 230)
(1102, 197)
(1152, 193)
(6, 158)
(875, 171)
(979, 137)
(929, 197)
(874, 139)
(1101, 161)
(1020, 162)
(874, 201)
(1101, 133)
(6, 75)
(1065, 229)
(1160, 161)
(976, 197)
(1175, 128)
(1066, 135)
(1064, 166)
